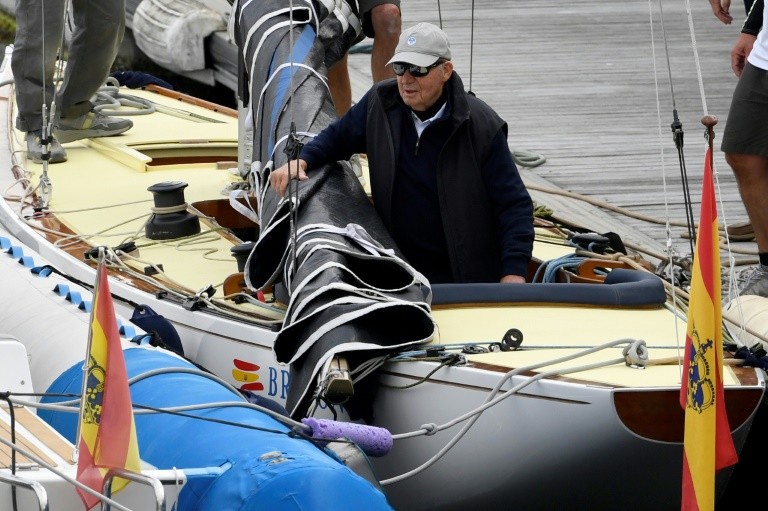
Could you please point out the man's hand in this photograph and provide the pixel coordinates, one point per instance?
(512, 279)
(721, 8)
(279, 178)
(740, 52)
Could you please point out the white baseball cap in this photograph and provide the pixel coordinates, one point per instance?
(422, 45)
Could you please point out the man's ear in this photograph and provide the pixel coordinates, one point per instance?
(447, 70)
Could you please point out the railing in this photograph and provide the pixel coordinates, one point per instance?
(152, 482)
(37, 488)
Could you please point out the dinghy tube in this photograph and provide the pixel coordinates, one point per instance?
(238, 457)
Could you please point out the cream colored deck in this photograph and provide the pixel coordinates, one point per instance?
(551, 332)
(102, 195)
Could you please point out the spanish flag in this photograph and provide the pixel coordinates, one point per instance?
(107, 431)
(708, 445)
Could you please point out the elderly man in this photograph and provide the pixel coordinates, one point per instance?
(442, 176)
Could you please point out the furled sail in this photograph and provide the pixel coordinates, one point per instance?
(348, 289)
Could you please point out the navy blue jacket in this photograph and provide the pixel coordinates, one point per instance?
(452, 199)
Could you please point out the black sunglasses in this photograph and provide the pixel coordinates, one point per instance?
(416, 71)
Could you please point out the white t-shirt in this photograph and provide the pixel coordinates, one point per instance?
(758, 57)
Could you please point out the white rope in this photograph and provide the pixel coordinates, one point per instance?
(495, 396)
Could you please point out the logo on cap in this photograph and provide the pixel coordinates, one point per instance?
(411, 40)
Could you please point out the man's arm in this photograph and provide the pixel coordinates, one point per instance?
(746, 39)
(338, 141)
(512, 279)
(740, 52)
(514, 210)
(280, 177)
(721, 10)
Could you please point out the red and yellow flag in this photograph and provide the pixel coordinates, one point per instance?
(107, 431)
(708, 444)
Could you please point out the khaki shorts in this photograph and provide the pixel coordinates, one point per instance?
(365, 12)
(746, 130)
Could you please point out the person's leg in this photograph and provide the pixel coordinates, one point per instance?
(34, 58)
(745, 144)
(383, 24)
(340, 86)
(96, 38)
(386, 23)
(751, 172)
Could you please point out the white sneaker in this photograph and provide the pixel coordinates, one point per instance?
(56, 153)
(757, 283)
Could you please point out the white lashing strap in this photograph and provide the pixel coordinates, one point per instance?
(355, 232)
(247, 211)
(345, 14)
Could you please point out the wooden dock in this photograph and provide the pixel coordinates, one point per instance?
(587, 86)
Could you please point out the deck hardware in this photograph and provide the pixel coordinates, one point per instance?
(241, 252)
(196, 302)
(511, 340)
(153, 270)
(170, 218)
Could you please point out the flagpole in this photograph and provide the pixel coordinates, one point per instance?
(710, 121)
(86, 362)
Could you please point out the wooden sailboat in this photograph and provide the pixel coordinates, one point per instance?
(515, 386)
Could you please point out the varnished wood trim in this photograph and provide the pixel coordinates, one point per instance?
(185, 98)
(38, 429)
(657, 415)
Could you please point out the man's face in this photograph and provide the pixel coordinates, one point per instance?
(420, 93)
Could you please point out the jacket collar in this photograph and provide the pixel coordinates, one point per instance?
(390, 96)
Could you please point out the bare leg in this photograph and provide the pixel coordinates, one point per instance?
(341, 88)
(751, 173)
(386, 23)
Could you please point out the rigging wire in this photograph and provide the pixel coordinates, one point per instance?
(45, 186)
(671, 281)
(471, 44)
(12, 416)
(678, 135)
(471, 37)
(292, 150)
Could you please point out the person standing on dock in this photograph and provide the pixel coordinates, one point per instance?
(745, 137)
(96, 37)
(381, 20)
(442, 175)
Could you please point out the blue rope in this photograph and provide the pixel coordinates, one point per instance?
(550, 268)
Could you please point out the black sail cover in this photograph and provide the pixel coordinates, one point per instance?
(349, 291)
